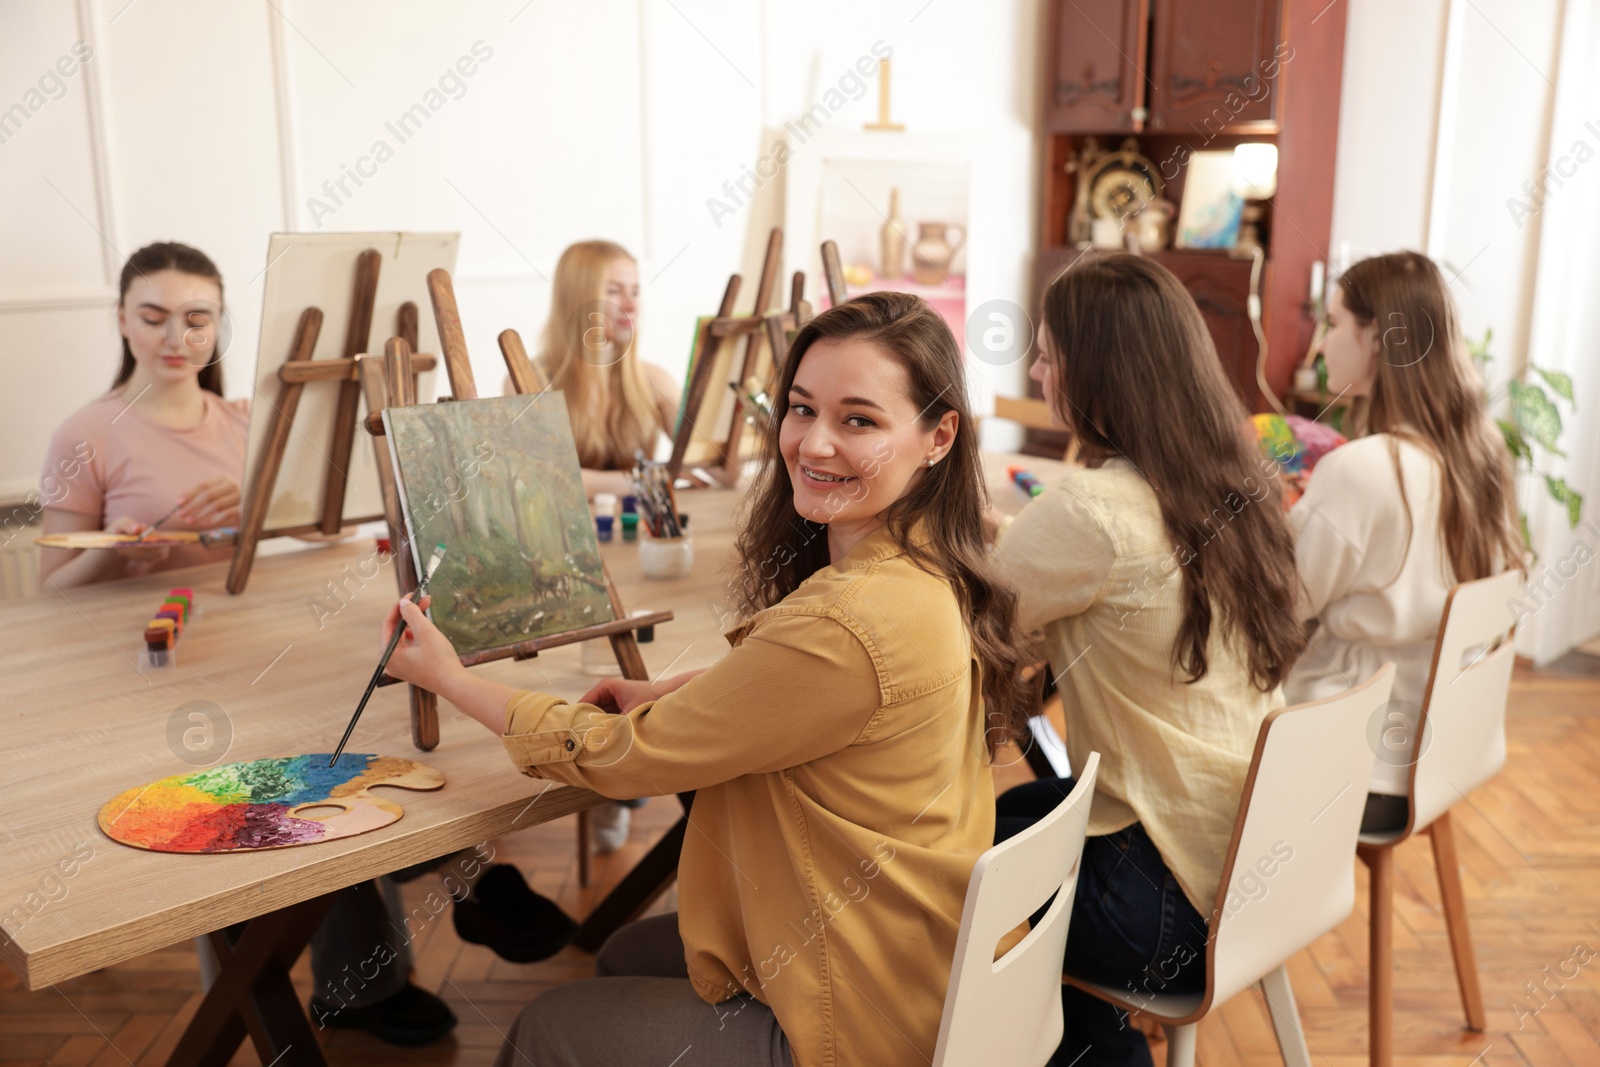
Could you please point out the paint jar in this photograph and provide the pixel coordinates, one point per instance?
(599, 660)
(666, 557)
(644, 634)
(602, 527)
(605, 504)
(630, 526)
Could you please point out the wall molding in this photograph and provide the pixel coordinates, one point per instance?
(101, 143)
(61, 297)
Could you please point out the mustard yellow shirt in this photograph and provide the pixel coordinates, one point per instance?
(1096, 570)
(843, 796)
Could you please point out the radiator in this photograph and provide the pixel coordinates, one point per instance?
(19, 565)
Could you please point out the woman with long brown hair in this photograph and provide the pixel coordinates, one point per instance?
(1161, 572)
(840, 751)
(1420, 500)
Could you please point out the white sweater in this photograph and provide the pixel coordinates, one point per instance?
(1376, 598)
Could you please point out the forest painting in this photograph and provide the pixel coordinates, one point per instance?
(497, 482)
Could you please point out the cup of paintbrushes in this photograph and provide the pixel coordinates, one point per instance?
(666, 557)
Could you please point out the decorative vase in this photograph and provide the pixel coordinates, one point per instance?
(893, 238)
(930, 258)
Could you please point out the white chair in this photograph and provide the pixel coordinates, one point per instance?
(1460, 743)
(1287, 878)
(1009, 883)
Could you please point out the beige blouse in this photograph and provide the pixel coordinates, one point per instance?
(843, 796)
(1098, 573)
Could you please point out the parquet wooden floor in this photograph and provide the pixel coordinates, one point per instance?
(1530, 855)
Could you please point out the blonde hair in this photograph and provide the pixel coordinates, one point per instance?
(608, 398)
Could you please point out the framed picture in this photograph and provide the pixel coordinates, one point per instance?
(896, 204)
(1209, 215)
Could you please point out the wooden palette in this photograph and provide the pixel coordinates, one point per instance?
(106, 539)
(263, 804)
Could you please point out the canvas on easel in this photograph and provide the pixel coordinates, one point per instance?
(323, 295)
(388, 387)
(712, 416)
(498, 481)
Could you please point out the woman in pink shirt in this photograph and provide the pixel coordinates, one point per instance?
(163, 436)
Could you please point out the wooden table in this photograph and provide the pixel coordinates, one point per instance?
(279, 675)
(274, 671)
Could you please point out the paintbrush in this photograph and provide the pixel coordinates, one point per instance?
(148, 530)
(394, 643)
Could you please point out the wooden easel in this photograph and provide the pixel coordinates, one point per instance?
(297, 372)
(761, 326)
(391, 383)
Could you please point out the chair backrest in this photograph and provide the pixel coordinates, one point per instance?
(1008, 1010)
(1289, 876)
(1461, 733)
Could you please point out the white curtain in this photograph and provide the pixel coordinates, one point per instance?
(1565, 336)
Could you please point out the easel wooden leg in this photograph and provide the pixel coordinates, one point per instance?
(259, 498)
(424, 718)
(1455, 917)
(362, 299)
(253, 994)
(1380, 955)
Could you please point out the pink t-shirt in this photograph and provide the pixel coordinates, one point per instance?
(107, 460)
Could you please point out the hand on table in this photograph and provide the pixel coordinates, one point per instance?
(621, 695)
(424, 657)
(211, 504)
(143, 553)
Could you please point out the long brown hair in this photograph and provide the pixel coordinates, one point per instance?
(1139, 378)
(779, 549)
(608, 399)
(170, 255)
(1427, 392)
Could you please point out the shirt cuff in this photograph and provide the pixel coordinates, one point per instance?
(540, 730)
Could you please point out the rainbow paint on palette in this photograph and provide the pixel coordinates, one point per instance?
(264, 803)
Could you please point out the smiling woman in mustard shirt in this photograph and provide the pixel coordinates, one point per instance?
(840, 751)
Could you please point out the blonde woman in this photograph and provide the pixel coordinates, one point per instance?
(617, 403)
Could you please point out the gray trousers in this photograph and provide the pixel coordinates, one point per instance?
(642, 1010)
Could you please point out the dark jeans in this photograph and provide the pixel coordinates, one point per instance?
(1132, 928)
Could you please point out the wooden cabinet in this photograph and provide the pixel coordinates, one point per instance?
(1124, 66)
(1215, 66)
(1185, 76)
(1098, 72)
(1220, 285)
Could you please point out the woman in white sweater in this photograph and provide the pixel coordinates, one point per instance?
(1420, 500)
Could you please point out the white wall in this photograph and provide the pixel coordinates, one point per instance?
(217, 124)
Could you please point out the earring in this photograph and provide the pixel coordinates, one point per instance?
(931, 461)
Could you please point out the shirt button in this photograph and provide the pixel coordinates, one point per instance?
(571, 744)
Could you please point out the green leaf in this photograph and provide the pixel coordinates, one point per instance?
(1535, 416)
(1562, 493)
(1516, 444)
(1479, 350)
(1561, 383)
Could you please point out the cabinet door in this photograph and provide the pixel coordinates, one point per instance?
(1220, 285)
(1216, 66)
(1098, 66)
